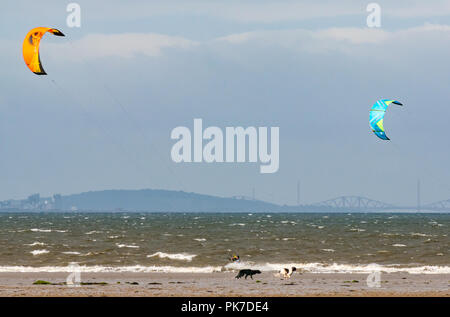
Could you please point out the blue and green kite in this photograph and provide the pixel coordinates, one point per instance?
(377, 115)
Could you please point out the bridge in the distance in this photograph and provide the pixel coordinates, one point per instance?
(362, 204)
(359, 204)
(354, 202)
(443, 205)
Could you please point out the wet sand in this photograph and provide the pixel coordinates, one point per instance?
(224, 284)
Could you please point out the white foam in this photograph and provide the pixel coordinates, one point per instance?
(112, 269)
(38, 252)
(36, 243)
(40, 230)
(200, 240)
(267, 267)
(45, 230)
(127, 246)
(174, 256)
(341, 268)
(418, 234)
(71, 252)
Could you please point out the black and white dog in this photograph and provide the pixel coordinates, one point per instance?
(247, 273)
(286, 273)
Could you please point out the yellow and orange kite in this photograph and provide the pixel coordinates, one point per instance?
(31, 48)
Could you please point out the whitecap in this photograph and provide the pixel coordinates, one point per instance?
(420, 234)
(36, 243)
(38, 252)
(341, 268)
(40, 230)
(112, 269)
(173, 256)
(127, 246)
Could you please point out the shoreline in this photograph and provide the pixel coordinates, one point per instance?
(223, 285)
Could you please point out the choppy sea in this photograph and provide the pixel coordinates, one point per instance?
(204, 242)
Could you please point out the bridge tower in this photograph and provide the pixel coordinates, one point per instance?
(418, 195)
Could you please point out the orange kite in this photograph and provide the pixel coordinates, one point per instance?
(31, 48)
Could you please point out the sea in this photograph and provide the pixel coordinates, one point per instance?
(205, 242)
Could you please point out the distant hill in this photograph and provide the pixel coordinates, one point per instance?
(156, 200)
(161, 201)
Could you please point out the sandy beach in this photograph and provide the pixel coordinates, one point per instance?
(223, 284)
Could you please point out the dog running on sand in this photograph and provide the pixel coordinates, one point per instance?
(286, 273)
(247, 273)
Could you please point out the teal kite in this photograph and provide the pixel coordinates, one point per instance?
(377, 115)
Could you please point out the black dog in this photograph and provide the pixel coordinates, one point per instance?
(247, 272)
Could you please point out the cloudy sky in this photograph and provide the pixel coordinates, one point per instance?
(135, 70)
